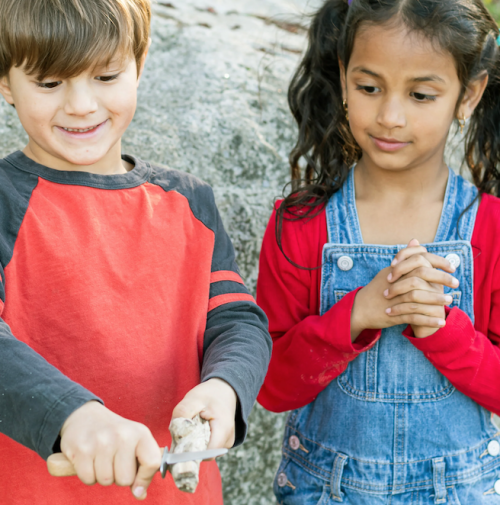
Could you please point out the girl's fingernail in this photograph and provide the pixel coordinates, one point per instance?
(138, 492)
(386, 292)
(389, 277)
(448, 299)
(453, 268)
(455, 282)
(388, 311)
(442, 322)
(394, 262)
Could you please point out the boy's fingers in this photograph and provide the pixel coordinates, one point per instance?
(125, 465)
(222, 434)
(148, 455)
(84, 467)
(188, 408)
(103, 467)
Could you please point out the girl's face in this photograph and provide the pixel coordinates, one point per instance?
(402, 94)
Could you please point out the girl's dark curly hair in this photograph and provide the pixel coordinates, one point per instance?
(463, 28)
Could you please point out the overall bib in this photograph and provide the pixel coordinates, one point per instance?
(391, 429)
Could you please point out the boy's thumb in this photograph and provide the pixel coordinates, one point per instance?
(149, 459)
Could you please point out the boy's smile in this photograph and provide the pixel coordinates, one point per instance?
(76, 123)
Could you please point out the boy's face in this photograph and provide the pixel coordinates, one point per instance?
(76, 123)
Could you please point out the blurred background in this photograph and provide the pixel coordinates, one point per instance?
(494, 7)
(212, 102)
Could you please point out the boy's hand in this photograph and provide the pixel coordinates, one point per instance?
(414, 268)
(408, 292)
(107, 448)
(215, 400)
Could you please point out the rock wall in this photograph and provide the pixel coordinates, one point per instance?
(212, 102)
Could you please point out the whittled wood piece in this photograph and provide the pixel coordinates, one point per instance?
(188, 435)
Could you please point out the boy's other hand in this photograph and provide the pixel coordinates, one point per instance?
(215, 400)
(107, 448)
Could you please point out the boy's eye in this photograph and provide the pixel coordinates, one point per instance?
(107, 78)
(421, 97)
(48, 85)
(371, 90)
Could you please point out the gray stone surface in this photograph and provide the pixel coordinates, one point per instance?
(212, 102)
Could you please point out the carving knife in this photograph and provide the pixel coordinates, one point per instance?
(59, 466)
(169, 458)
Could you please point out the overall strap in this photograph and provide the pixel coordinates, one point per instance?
(459, 210)
(341, 215)
(467, 219)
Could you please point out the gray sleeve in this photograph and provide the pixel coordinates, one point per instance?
(237, 344)
(237, 349)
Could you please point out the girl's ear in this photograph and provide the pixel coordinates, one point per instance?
(5, 90)
(343, 80)
(472, 96)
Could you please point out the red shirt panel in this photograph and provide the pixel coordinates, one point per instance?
(104, 329)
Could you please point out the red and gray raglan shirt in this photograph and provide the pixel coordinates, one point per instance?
(118, 288)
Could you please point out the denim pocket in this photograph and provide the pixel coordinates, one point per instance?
(339, 294)
(295, 486)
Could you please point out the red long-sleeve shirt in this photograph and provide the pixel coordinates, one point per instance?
(310, 350)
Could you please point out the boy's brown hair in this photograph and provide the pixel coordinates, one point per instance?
(63, 38)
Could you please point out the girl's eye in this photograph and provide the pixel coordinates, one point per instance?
(371, 90)
(48, 85)
(420, 97)
(107, 78)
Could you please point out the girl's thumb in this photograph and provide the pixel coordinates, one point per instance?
(413, 242)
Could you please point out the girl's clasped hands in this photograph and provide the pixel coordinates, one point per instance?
(410, 291)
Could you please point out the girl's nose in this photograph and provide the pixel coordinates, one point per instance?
(80, 100)
(392, 114)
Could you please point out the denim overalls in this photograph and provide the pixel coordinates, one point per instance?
(391, 429)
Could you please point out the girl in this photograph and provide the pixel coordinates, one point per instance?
(388, 355)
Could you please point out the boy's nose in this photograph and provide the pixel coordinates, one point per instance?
(392, 114)
(80, 100)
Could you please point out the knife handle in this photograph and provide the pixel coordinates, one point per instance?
(59, 465)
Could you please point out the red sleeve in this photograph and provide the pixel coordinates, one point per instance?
(309, 350)
(468, 355)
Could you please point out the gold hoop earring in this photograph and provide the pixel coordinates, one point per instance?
(346, 109)
(462, 123)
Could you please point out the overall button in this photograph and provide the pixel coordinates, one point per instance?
(494, 449)
(283, 479)
(345, 263)
(454, 260)
(294, 442)
(497, 487)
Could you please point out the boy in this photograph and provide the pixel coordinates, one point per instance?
(118, 281)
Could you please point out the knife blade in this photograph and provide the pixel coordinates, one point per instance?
(173, 458)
